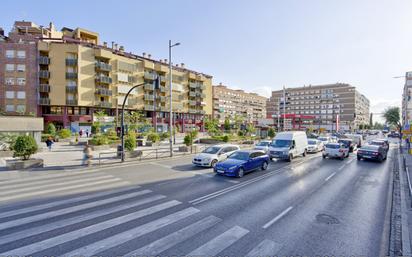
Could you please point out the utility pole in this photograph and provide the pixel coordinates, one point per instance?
(284, 107)
(171, 100)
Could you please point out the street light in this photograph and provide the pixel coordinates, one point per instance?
(170, 88)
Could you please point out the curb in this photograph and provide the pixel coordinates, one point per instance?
(406, 244)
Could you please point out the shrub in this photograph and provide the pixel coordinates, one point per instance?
(240, 133)
(51, 129)
(164, 135)
(271, 133)
(99, 140)
(153, 137)
(65, 133)
(188, 140)
(112, 135)
(225, 138)
(130, 142)
(24, 147)
(95, 128)
(44, 137)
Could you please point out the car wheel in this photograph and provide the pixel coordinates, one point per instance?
(213, 163)
(290, 158)
(380, 158)
(304, 153)
(265, 166)
(359, 158)
(240, 173)
(323, 156)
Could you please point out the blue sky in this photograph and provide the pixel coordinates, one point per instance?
(254, 45)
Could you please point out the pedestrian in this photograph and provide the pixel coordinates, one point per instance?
(87, 132)
(49, 143)
(87, 155)
(81, 132)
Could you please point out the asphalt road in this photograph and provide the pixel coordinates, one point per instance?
(310, 207)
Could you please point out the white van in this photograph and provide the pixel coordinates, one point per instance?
(288, 145)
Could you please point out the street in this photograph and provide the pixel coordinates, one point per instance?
(311, 207)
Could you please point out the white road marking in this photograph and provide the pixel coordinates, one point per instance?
(265, 248)
(277, 217)
(330, 176)
(102, 245)
(161, 165)
(75, 220)
(341, 167)
(51, 242)
(219, 243)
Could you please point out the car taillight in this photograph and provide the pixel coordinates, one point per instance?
(375, 153)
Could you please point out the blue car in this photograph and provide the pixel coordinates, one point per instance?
(241, 162)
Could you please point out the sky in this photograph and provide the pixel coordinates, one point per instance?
(259, 45)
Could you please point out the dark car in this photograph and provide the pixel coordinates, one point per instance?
(380, 142)
(348, 143)
(372, 152)
(393, 134)
(241, 162)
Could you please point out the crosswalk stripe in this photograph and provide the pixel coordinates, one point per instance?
(63, 223)
(219, 243)
(47, 215)
(61, 202)
(266, 248)
(6, 198)
(107, 243)
(56, 240)
(25, 189)
(167, 242)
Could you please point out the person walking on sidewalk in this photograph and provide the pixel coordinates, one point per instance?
(87, 132)
(49, 143)
(87, 155)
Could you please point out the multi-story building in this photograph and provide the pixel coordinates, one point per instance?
(228, 103)
(326, 103)
(78, 76)
(407, 100)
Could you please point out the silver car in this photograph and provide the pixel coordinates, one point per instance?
(263, 145)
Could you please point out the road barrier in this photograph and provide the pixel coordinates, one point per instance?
(408, 177)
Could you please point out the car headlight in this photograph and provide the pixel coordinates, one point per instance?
(206, 159)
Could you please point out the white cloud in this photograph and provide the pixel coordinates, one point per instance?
(263, 91)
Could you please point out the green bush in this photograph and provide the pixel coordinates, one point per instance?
(188, 140)
(51, 129)
(225, 138)
(153, 137)
(95, 128)
(112, 135)
(130, 142)
(44, 137)
(271, 133)
(240, 133)
(65, 133)
(164, 135)
(99, 139)
(24, 147)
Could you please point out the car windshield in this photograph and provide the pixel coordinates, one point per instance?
(243, 156)
(369, 148)
(345, 142)
(377, 143)
(333, 146)
(312, 142)
(323, 138)
(263, 144)
(211, 150)
(281, 143)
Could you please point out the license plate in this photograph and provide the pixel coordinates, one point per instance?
(367, 157)
(220, 171)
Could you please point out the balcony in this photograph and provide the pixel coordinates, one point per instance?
(193, 85)
(162, 98)
(71, 62)
(149, 107)
(201, 95)
(192, 103)
(104, 79)
(149, 76)
(103, 92)
(71, 89)
(44, 74)
(192, 111)
(202, 87)
(44, 60)
(104, 104)
(201, 112)
(44, 88)
(149, 87)
(162, 89)
(103, 66)
(148, 97)
(71, 75)
(192, 94)
(71, 102)
(44, 101)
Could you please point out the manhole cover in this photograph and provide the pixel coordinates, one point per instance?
(326, 219)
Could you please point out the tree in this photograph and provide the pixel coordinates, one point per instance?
(135, 120)
(392, 116)
(238, 121)
(212, 126)
(130, 142)
(378, 125)
(24, 147)
(250, 128)
(51, 129)
(65, 133)
(96, 126)
(371, 120)
(271, 133)
(226, 125)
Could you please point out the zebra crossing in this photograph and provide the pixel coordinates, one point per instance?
(129, 222)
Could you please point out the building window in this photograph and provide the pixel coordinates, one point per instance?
(9, 81)
(10, 94)
(10, 54)
(21, 95)
(20, 108)
(9, 67)
(56, 110)
(21, 67)
(9, 108)
(21, 54)
(21, 81)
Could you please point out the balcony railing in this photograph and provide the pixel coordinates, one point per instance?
(44, 101)
(149, 107)
(104, 104)
(103, 91)
(71, 62)
(192, 103)
(44, 60)
(44, 74)
(71, 102)
(71, 89)
(192, 111)
(192, 94)
(193, 85)
(104, 79)
(149, 87)
(44, 88)
(149, 76)
(103, 66)
(71, 75)
(148, 97)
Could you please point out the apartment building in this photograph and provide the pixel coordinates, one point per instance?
(78, 76)
(230, 102)
(406, 99)
(329, 105)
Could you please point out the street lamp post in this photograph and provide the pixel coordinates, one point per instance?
(170, 88)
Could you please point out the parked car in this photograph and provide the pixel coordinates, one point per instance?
(335, 150)
(325, 139)
(213, 154)
(314, 146)
(348, 143)
(372, 152)
(393, 134)
(357, 139)
(288, 145)
(263, 145)
(380, 142)
(241, 162)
